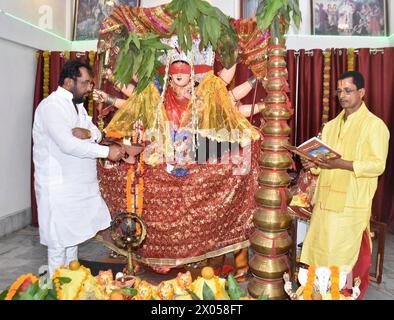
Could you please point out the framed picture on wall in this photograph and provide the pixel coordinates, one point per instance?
(90, 13)
(349, 17)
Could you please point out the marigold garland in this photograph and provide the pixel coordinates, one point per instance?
(16, 285)
(92, 56)
(350, 59)
(309, 283)
(45, 88)
(326, 86)
(335, 293)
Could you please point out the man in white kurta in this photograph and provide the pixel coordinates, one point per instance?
(339, 231)
(70, 207)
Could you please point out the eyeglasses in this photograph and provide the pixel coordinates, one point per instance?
(346, 91)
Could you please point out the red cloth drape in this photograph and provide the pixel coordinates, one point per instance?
(57, 60)
(378, 70)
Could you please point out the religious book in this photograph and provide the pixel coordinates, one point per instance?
(314, 149)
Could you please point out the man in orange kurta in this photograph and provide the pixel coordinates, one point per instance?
(339, 230)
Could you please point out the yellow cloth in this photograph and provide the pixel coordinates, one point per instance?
(216, 114)
(343, 199)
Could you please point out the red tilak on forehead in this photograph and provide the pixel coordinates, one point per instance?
(179, 67)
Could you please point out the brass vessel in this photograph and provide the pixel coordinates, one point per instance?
(278, 51)
(275, 84)
(277, 63)
(277, 73)
(270, 243)
(275, 98)
(269, 268)
(276, 128)
(268, 219)
(276, 113)
(272, 144)
(271, 198)
(274, 289)
(274, 179)
(275, 161)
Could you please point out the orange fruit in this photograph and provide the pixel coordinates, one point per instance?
(116, 295)
(207, 273)
(74, 265)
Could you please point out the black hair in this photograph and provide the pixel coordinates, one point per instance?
(358, 78)
(71, 70)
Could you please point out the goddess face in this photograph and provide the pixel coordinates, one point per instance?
(180, 73)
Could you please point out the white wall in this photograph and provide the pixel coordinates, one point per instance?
(52, 15)
(18, 68)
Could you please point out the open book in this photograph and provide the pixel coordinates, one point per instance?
(313, 149)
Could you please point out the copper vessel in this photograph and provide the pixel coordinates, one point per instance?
(269, 268)
(271, 198)
(278, 51)
(275, 98)
(272, 144)
(274, 289)
(277, 63)
(276, 128)
(274, 179)
(276, 113)
(275, 161)
(268, 219)
(270, 243)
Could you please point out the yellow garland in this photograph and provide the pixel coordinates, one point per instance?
(350, 59)
(87, 274)
(92, 55)
(335, 293)
(45, 89)
(309, 283)
(56, 282)
(16, 285)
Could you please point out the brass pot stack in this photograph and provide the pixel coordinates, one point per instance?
(270, 241)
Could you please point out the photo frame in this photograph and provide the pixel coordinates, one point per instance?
(349, 17)
(89, 14)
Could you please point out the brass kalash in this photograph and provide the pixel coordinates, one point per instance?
(271, 241)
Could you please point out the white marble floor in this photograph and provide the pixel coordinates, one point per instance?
(21, 252)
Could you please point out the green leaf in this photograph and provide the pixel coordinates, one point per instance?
(63, 280)
(41, 294)
(52, 295)
(25, 296)
(207, 293)
(4, 294)
(135, 40)
(192, 294)
(130, 291)
(191, 12)
(234, 289)
(32, 289)
(271, 12)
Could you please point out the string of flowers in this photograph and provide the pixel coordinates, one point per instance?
(350, 59)
(56, 281)
(326, 86)
(45, 88)
(309, 283)
(193, 102)
(92, 55)
(17, 284)
(335, 293)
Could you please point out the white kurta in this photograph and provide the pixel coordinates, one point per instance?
(70, 207)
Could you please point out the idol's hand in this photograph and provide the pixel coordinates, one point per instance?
(99, 96)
